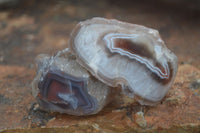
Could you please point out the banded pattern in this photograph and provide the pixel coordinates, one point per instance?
(66, 92)
(129, 55)
(62, 85)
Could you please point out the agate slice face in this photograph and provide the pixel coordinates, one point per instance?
(127, 55)
(62, 85)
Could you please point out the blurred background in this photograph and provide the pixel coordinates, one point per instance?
(30, 27)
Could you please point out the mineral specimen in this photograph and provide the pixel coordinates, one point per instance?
(62, 85)
(118, 54)
(127, 55)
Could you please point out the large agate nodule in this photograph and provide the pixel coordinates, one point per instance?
(127, 55)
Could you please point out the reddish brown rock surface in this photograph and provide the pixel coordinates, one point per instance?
(35, 27)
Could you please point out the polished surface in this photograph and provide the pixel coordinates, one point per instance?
(127, 55)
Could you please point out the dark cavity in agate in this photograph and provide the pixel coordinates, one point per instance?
(133, 48)
(126, 45)
(65, 92)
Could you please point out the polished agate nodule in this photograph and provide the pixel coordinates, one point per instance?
(62, 85)
(127, 55)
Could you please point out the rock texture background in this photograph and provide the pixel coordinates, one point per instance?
(33, 27)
